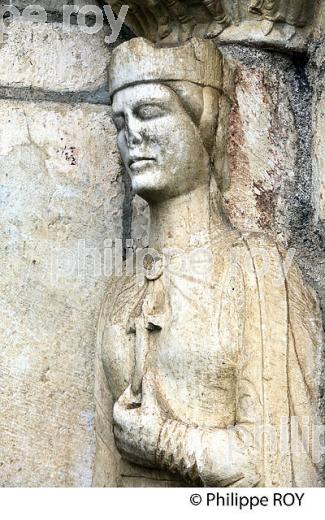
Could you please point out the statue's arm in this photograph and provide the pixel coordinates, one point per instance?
(115, 336)
(216, 456)
(227, 456)
(212, 457)
(222, 456)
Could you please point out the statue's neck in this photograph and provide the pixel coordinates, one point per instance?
(184, 221)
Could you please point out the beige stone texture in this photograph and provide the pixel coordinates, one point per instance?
(319, 157)
(318, 115)
(220, 338)
(47, 57)
(60, 190)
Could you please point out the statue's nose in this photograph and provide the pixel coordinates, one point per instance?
(134, 138)
(133, 132)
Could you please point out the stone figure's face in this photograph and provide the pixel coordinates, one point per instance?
(160, 145)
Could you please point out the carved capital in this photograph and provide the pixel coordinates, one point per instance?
(276, 23)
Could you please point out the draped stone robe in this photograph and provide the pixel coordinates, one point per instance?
(233, 344)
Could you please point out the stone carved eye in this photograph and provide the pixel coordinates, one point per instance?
(149, 111)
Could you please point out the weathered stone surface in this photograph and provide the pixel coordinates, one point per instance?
(48, 311)
(220, 339)
(45, 56)
(261, 148)
(82, 3)
(60, 192)
(50, 5)
(271, 23)
(140, 222)
(261, 145)
(318, 114)
(319, 157)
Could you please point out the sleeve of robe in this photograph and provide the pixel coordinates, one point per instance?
(280, 339)
(115, 347)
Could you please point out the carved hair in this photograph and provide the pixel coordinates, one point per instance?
(202, 105)
(209, 110)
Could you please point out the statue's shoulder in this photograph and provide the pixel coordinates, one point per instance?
(255, 247)
(265, 261)
(256, 239)
(274, 263)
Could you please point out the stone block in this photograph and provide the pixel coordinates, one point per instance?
(48, 57)
(61, 197)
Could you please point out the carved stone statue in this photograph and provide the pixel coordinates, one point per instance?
(210, 358)
(294, 12)
(271, 22)
(220, 18)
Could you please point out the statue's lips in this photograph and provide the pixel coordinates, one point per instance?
(140, 162)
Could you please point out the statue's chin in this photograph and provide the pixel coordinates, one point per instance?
(148, 194)
(148, 185)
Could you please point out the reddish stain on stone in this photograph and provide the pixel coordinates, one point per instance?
(238, 161)
(265, 205)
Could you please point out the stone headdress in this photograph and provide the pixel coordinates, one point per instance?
(140, 61)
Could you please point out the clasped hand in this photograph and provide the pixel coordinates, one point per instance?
(137, 427)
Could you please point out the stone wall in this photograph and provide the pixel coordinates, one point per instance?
(61, 197)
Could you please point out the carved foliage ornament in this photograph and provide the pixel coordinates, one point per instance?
(178, 20)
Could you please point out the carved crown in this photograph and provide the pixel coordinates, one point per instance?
(139, 61)
(280, 23)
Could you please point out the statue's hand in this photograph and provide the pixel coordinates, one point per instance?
(137, 428)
